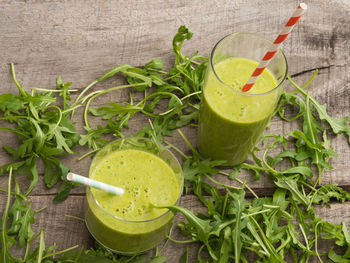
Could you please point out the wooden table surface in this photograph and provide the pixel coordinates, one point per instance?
(80, 40)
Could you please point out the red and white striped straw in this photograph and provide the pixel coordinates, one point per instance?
(276, 44)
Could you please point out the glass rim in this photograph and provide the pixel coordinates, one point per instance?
(256, 35)
(148, 220)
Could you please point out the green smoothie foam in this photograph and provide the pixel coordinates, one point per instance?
(146, 178)
(232, 121)
(128, 223)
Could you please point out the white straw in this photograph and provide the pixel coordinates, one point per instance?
(95, 184)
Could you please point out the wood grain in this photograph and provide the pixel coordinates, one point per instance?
(67, 232)
(80, 40)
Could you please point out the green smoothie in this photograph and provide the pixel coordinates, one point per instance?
(128, 223)
(231, 121)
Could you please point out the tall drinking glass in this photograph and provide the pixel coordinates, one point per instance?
(232, 121)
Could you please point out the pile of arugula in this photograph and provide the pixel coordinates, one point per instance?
(235, 228)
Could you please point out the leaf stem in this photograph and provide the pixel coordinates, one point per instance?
(71, 108)
(188, 143)
(177, 149)
(40, 210)
(304, 235)
(181, 241)
(192, 94)
(53, 90)
(5, 218)
(101, 92)
(41, 246)
(60, 252)
(14, 194)
(87, 154)
(75, 217)
(82, 93)
(58, 121)
(242, 183)
(316, 237)
(271, 170)
(20, 88)
(255, 213)
(221, 184)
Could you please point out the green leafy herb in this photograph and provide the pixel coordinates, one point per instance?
(272, 228)
(44, 132)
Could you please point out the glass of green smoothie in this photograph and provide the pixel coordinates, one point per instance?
(232, 121)
(151, 176)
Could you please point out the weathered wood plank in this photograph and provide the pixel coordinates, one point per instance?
(80, 40)
(66, 232)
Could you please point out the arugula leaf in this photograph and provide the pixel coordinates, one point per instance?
(114, 109)
(6, 240)
(202, 226)
(183, 33)
(154, 64)
(302, 170)
(226, 246)
(65, 93)
(93, 137)
(328, 192)
(184, 257)
(15, 212)
(8, 102)
(239, 203)
(25, 222)
(336, 258)
(51, 176)
(43, 130)
(338, 125)
(63, 191)
(290, 184)
(22, 217)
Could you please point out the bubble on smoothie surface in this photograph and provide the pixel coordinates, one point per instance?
(236, 84)
(243, 110)
(219, 93)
